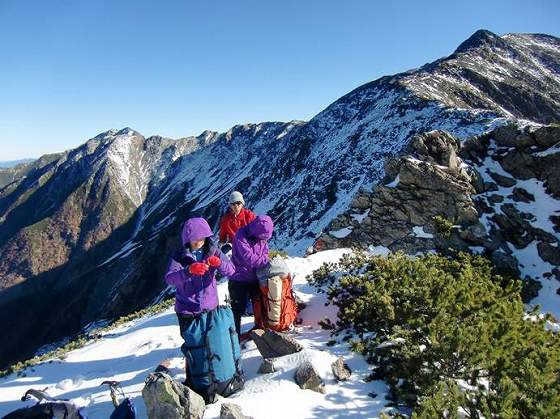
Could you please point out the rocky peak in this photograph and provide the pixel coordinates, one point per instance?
(480, 39)
(512, 75)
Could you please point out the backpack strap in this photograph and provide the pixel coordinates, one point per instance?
(212, 388)
(232, 336)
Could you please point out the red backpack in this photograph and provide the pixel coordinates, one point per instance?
(275, 306)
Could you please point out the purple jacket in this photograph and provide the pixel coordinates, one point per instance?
(250, 249)
(195, 294)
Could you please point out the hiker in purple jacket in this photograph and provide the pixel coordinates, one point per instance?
(250, 251)
(192, 271)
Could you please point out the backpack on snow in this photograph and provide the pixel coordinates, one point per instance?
(275, 306)
(212, 354)
(46, 408)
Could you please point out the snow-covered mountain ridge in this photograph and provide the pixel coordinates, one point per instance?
(89, 230)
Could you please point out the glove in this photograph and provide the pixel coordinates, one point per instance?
(214, 261)
(198, 268)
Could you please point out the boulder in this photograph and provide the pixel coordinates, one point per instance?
(341, 370)
(477, 181)
(503, 181)
(490, 187)
(232, 411)
(166, 398)
(505, 263)
(495, 198)
(436, 147)
(521, 195)
(308, 379)
(475, 234)
(519, 164)
(474, 148)
(506, 135)
(360, 202)
(530, 289)
(272, 344)
(547, 136)
(549, 253)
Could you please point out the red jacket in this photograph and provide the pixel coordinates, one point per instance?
(229, 224)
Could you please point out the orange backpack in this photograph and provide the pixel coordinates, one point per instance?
(275, 306)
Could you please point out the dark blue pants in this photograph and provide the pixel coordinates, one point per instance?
(240, 293)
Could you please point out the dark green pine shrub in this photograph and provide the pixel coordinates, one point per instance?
(447, 335)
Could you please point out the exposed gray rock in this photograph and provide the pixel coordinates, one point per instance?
(521, 195)
(514, 226)
(549, 253)
(232, 411)
(436, 147)
(267, 367)
(547, 136)
(307, 378)
(475, 148)
(549, 167)
(490, 187)
(519, 164)
(556, 221)
(341, 370)
(544, 236)
(506, 135)
(505, 263)
(166, 398)
(475, 234)
(504, 181)
(495, 198)
(476, 180)
(360, 202)
(272, 344)
(530, 290)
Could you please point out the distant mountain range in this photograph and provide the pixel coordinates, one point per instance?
(85, 234)
(12, 163)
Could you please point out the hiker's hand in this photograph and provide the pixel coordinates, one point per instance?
(214, 261)
(198, 268)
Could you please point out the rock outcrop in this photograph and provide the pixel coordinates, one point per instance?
(308, 379)
(272, 344)
(166, 398)
(496, 194)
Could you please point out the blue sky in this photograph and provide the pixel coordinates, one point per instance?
(72, 69)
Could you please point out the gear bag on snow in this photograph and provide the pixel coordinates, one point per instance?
(275, 306)
(46, 408)
(212, 354)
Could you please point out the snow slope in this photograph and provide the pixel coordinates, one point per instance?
(129, 353)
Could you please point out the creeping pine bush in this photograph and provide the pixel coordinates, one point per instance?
(449, 336)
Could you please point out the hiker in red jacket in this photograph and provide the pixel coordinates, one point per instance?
(236, 217)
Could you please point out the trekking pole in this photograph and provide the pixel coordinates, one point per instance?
(38, 394)
(114, 386)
